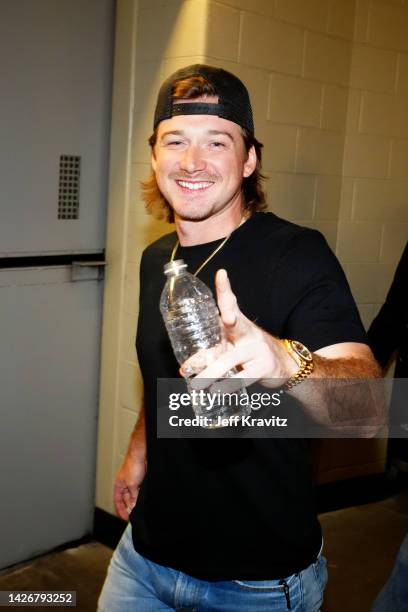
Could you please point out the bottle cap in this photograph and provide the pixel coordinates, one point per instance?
(174, 267)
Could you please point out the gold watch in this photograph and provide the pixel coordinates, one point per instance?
(303, 358)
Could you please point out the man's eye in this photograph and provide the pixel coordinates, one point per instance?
(217, 144)
(173, 143)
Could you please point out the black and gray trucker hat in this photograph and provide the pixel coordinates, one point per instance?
(233, 98)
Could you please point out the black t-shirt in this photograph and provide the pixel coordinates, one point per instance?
(224, 509)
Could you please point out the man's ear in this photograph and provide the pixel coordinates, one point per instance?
(250, 164)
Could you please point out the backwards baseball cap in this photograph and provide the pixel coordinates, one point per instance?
(233, 98)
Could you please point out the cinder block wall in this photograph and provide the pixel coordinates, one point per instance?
(373, 221)
(329, 85)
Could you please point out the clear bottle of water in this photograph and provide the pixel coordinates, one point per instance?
(193, 324)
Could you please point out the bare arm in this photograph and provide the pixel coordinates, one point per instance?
(349, 395)
(132, 471)
(262, 357)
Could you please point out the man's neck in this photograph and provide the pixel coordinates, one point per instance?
(215, 227)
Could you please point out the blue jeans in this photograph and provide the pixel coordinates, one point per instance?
(135, 584)
(394, 595)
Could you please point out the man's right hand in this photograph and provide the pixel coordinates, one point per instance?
(127, 484)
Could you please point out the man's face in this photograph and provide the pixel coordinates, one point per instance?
(200, 162)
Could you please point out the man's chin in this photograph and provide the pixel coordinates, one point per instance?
(191, 215)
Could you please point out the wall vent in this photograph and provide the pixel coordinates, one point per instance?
(68, 195)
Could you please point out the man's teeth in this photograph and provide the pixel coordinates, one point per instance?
(194, 186)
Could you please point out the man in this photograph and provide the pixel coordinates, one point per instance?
(388, 334)
(229, 524)
(388, 337)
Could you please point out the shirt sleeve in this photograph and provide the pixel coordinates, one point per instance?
(388, 329)
(310, 288)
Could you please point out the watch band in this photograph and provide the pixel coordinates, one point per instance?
(305, 363)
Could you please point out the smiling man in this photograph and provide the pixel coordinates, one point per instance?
(229, 524)
(200, 169)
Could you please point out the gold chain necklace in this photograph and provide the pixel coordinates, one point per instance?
(205, 262)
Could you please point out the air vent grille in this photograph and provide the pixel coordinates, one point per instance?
(68, 195)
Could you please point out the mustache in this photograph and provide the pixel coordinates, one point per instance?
(210, 178)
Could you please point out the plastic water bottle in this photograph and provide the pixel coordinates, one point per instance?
(194, 327)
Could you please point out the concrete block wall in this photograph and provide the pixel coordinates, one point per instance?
(328, 80)
(296, 56)
(375, 160)
(373, 223)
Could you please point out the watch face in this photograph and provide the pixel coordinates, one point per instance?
(301, 350)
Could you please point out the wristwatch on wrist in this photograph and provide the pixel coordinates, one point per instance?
(303, 358)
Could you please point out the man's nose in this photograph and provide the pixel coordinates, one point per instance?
(192, 159)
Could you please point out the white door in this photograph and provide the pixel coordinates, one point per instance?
(56, 73)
